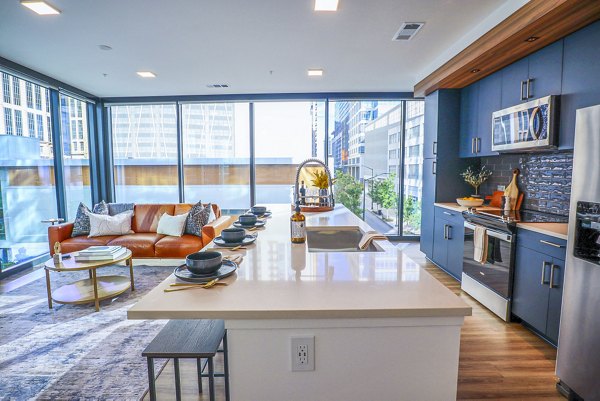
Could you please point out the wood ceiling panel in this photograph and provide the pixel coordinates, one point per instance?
(548, 20)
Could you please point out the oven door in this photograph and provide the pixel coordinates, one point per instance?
(496, 273)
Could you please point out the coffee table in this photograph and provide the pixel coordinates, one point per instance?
(93, 289)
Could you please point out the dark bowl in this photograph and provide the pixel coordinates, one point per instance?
(233, 234)
(258, 209)
(204, 262)
(247, 219)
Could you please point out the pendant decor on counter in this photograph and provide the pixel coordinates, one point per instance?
(319, 198)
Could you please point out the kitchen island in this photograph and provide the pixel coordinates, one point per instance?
(383, 328)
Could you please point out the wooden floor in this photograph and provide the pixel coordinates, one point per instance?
(498, 360)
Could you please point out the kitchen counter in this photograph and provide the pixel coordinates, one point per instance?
(381, 305)
(557, 230)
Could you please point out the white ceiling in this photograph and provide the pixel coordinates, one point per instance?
(255, 46)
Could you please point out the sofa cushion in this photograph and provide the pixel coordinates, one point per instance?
(110, 225)
(145, 217)
(81, 225)
(178, 247)
(116, 208)
(78, 243)
(140, 244)
(197, 218)
(171, 225)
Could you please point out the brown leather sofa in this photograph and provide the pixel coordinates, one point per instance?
(144, 242)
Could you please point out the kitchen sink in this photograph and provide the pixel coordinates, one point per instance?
(337, 239)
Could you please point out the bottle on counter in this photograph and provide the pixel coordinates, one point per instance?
(302, 194)
(298, 226)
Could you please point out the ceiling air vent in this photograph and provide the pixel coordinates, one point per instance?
(217, 86)
(408, 30)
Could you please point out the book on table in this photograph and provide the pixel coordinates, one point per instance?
(100, 250)
(97, 256)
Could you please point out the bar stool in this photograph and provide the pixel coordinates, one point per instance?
(198, 339)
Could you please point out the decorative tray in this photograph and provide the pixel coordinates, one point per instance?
(227, 269)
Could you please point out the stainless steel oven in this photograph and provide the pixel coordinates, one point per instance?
(490, 282)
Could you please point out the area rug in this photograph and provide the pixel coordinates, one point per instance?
(72, 352)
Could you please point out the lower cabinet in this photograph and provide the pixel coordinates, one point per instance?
(448, 241)
(537, 289)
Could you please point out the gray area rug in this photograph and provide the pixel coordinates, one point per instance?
(72, 352)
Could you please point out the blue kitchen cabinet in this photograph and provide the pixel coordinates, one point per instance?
(441, 183)
(469, 98)
(514, 78)
(580, 79)
(490, 95)
(555, 300)
(427, 208)
(448, 241)
(538, 278)
(535, 76)
(545, 71)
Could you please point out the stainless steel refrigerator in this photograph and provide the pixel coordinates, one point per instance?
(578, 363)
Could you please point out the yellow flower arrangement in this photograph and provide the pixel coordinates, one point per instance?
(320, 181)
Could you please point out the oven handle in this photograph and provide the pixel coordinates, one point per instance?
(492, 233)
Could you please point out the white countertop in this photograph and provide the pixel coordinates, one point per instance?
(281, 280)
(557, 230)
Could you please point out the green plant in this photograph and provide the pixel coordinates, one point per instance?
(475, 177)
(348, 192)
(383, 192)
(412, 213)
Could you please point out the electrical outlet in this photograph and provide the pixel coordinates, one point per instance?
(303, 353)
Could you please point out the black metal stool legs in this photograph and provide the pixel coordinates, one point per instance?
(225, 366)
(151, 380)
(199, 364)
(177, 380)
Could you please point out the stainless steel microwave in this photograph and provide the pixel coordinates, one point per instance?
(526, 127)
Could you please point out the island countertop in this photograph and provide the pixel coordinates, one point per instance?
(281, 280)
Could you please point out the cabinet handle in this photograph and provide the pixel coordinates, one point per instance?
(551, 244)
(446, 231)
(434, 148)
(528, 93)
(449, 232)
(477, 145)
(434, 167)
(523, 90)
(449, 214)
(473, 145)
(544, 263)
(552, 267)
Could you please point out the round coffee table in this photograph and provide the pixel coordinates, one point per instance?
(93, 289)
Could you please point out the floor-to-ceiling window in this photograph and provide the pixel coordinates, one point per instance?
(216, 154)
(144, 146)
(286, 133)
(27, 186)
(76, 158)
(377, 158)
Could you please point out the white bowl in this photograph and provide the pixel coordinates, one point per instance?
(469, 203)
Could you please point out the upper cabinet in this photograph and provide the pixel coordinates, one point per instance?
(533, 77)
(478, 102)
(580, 79)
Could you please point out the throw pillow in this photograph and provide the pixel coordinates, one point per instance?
(171, 225)
(116, 208)
(101, 224)
(81, 225)
(197, 218)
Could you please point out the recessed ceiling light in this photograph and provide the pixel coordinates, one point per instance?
(40, 7)
(475, 70)
(146, 74)
(315, 72)
(104, 47)
(326, 5)
(531, 39)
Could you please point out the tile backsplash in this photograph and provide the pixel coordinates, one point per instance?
(545, 179)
